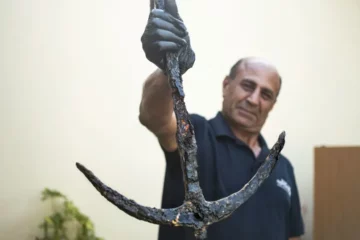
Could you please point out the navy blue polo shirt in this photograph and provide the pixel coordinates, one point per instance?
(225, 165)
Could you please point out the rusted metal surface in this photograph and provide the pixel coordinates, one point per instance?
(195, 212)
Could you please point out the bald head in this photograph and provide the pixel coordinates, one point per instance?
(254, 64)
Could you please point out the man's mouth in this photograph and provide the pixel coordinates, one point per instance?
(246, 112)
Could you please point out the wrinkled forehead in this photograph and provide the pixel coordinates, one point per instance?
(260, 71)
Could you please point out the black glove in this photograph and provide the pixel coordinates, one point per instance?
(166, 32)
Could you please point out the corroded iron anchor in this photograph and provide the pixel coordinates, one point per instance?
(195, 212)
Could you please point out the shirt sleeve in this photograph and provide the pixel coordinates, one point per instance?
(296, 220)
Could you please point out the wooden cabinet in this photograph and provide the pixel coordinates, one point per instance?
(337, 193)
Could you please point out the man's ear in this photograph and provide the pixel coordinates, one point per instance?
(225, 84)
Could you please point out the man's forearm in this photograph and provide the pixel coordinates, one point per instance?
(156, 107)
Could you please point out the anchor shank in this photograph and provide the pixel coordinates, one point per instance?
(185, 135)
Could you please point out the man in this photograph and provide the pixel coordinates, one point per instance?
(230, 145)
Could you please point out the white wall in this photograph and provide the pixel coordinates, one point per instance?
(71, 76)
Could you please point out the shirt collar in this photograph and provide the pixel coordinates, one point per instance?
(222, 129)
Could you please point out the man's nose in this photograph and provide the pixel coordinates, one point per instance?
(254, 98)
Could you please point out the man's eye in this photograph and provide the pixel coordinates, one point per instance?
(247, 87)
(267, 96)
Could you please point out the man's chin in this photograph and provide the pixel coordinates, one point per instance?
(243, 122)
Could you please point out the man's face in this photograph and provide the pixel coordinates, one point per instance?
(249, 97)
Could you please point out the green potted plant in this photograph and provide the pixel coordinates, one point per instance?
(66, 222)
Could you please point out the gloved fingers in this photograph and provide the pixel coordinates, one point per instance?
(164, 46)
(160, 23)
(157, 13)
(167, 36)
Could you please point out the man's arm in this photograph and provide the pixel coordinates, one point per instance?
(156, 110)
(164, 32)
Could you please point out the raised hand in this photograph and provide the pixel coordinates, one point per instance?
(166, 32)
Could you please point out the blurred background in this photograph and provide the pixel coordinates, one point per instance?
(71, 78)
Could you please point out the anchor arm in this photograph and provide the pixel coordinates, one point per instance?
(226, 206)
(152, 215)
